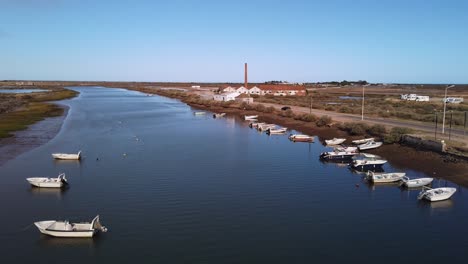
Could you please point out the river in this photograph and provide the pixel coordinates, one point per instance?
(173, 187)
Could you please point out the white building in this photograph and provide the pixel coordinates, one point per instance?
(255, 90)
(242, 90)
(229, 89)
(226, 97)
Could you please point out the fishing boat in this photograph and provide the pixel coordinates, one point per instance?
(65, 156)
(335, 141)
(338, 155)
(415, 183)
(250, 117)
(218, 115)
(301, 138)
(66, 229)
(368, 162)
(43, 182)
(385, 177)
(437, 194)
(255, 124)
(370, 145)
(199, 113)
(272, 131)
(362, 141)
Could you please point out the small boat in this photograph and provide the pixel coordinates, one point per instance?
(265, 127)
(255, 124)
(415, 183)
(218, 115)
(368, 162)
(301, 138)
(199, 113)
(362, 141)
(43, 182)
(335, 141)
(437, 194)
(65, 156)
(250, 117)
(345, 149)
(370, 145)
(66, 229)
(278, 131)
(385, 177)
(338, 155)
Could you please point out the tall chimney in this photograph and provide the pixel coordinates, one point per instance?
(245, 75)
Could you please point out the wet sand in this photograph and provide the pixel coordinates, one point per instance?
(34, 136)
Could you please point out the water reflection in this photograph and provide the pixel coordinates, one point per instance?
(58, 192)
(48, 241)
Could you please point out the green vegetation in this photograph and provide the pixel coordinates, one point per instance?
(395, 134)
(20, 111)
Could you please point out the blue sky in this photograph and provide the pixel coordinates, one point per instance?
(209, 41)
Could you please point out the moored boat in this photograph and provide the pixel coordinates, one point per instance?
(43, 182)
(437, 194)
(368, 162)
(335, 141)
(301, 138)
(250, 117)
(338, 155)
(66, 229)
(255, 124)
(199, 113)
(66, 156)
(385, 177)
(278, 131)
(265, 127)
(345, 149)
(218, 115)
(415, 183)
(370, 145)
(362, 141)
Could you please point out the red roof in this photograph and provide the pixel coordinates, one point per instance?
(281, 87)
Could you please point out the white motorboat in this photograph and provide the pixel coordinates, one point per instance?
(368, 162)
(265, 127)
(415, 183)
(278, 131)
(338, 155)
(43, 182)
(335, 141)
(66, 229)
(346, 149)
(437, 194)
(199, 113)
(65, 156)
(218, 115)
(255, 124)
(370, 145)
(385, 177)
(250, 117)
(301, 138)
(362, 141)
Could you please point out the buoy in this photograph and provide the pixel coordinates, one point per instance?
(97, 158)
(357, 185)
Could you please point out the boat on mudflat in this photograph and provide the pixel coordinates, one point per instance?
(65, 156)
(335, 141)
(415, 183)
(362, 141)
(43, 182)
(66, 229)
(437, 194)
(218, 115)
(370, 145)
(250, 117)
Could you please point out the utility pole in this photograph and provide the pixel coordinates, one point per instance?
(445, 105)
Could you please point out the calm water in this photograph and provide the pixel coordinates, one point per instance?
(192, 189)
(13, 91)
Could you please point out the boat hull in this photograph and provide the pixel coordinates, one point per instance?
(47, 184)
(415, 183)
(327, 156)
(66, 156)
(367, 166)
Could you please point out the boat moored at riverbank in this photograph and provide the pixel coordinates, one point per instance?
(437, 194)
(65, 156)
(368, 162)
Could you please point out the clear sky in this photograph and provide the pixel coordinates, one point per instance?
(208, 41)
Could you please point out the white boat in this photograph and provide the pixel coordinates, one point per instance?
(199, 113)
(385, 177)
(272, 131)
(65, 156)
(368, 162)
(338, 155)
(370, 145)
(437, 194)
(255, 124)
(265, 127)
(335, 141)
(250, 117)
(415, 183)
(218, 115)
(301, 138)
(362, 141)
(345, 149)
(66, 229)
(43, 182)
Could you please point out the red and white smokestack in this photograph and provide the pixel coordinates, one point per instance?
(245, 75)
